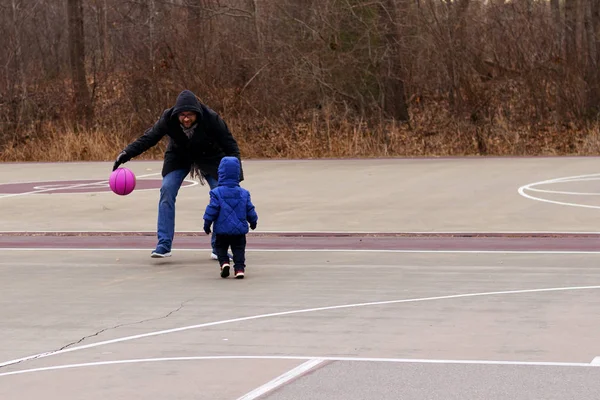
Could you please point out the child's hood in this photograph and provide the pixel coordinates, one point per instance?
(229, 171)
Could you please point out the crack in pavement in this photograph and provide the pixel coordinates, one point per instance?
(47, 353)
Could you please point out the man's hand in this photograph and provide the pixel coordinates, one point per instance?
(121, 159)
(207, 227)
(253, 226)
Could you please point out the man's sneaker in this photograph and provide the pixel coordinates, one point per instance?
(160, 253)
(239, 274)
(224, 270)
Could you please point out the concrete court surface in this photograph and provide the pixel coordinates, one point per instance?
(99, 318)
(389, 195)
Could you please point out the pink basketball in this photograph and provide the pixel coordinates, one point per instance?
(122, 181)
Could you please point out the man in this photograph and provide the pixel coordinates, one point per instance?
(198, 140)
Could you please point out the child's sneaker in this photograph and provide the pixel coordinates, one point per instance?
(224, 270)
(239, 274)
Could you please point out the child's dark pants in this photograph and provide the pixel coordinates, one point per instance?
(238, 248)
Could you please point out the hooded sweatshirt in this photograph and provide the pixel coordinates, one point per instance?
(230, 207)
(186, 101)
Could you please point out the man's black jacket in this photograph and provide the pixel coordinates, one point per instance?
(210, 142)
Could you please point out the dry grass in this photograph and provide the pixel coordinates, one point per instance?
(64, 144)
(432, 133)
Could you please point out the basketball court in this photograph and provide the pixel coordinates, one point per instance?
(450, 278)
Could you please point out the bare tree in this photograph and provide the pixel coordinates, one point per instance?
(394, 98)
(152, 34)
(593, 95)
(82, 100)
(103, 42)
(17, 48)
(556, 17)
(595, 21)
(257, 29)
(571, 31)
(275, 65)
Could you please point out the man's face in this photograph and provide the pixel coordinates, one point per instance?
(187, 118)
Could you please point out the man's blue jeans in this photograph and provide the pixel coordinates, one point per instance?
(166, 207)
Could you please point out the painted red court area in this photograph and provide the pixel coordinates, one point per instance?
(74, 186)
(278, 241)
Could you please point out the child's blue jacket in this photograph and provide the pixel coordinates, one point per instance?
(230, 207)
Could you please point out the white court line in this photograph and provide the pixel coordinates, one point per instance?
(562, 203)
(193, 183)
(65, 249)
(293, 312)
(303, 358)
(282, 379)
(561, 192)
(577, 178)
(471, 232)
(568, 179)
(596, 361)
(66, 187)
(47, 180)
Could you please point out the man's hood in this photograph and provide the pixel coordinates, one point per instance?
(187, 101)
(229, 171)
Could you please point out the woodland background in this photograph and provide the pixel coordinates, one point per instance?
(79, 79)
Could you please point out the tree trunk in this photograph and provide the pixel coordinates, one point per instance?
(257, 31)
(590, 35)
(593, 97)
(571, 32)
(103, 42)
(83, 104)
(152, 32)
(394, 96)
(557, 24)
(192, 20)
(555, 9)
(595, 8)
(20, 75)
